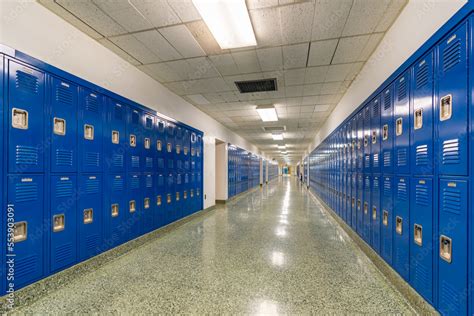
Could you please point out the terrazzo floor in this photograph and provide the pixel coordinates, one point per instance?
(272, 251)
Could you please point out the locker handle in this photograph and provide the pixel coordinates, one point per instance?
(418, 119)
(446, 108)
(177, 196)
(374, 213)
(19, 118)
(58, 223)
(185, 150)
(192, 193)
(185, 195)
(366, 140)
(385, 218)
(366, 208)
(399, 225)
(418, 235)
(385, 132)
(353, 202)
(158, 200)
(88, 132)
(132, 206)
(358, 204)
(88, 216)
(59, 126)
(374, 137)
(178, 149)
(197, 192)
(446, 248)
(168, 198)
(146, 203)
(147, 143)
(115, 137)
(20, 231)
(115, 210)
(168, 147)
(133, 141)
(399, 127)
(158, 145)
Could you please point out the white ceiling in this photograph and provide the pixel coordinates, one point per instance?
(313, 48)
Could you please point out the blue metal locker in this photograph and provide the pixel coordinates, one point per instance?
(115, 137)
(354, 144)
(348, 198)
(159, 218)
(149, 140)
(354, 196)
(115, 211)
(375, 138)
(170, 191)
(91, 112)
(386, 218)
(401, 235)
(401, 114)
(367, 137)
(452, 103)
(422, 113)
(63, 125)
(375, 213)
(148, 204)
(422, 244)
(367, 209)
(186, 199)
(387, 130)
(360, 203)
(135, 140)
(135, 205)
(453, 242)
(89, 216)
(360, 141)
(25, 237)
(26, 118)
(62, 215)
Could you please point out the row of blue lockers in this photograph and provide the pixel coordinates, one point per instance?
(84, 170)
(243, 170)
(398, 170)
(272, 170)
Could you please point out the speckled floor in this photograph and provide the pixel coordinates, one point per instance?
(272, 251)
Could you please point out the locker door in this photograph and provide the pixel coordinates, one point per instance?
(366, 208)
(148, 204)
(367, 138)
(452, 103)
(178, 196)
(360, 204)
(26, 119)
(63, 126)
(387, 130)
(135, 205)
(452, 260)
(115, 211)
(375, 215)
(25, 194)
(63, 236)
(170, 190)
(375, 138)
(422, 244)
(402, 123)
(161, 146)
(135, 140)
(91, 111)
(422, 116)
(186, 199)
(348, 199)
(354, 144)
(148, 142)
(386, 219)
(350, 148)
(360, 141)
(89, 216)
(160, 200)
(401, 235)
(354, 202)
(115, 137)
(170, 146)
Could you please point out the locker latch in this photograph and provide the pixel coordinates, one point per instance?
(192, 193)
(353, 202)
(399, 225)
(374, 213)
(158, 200)
(147, 143)
(168, 198)
(358, 204)
(366, 140)
(88, 132)
(168, 147)
(185, 195)
(399, 128)
(59, 127)
(385, 218)
(446, 108)
(385, 132)
(158, 145)
(20, 231)
(198, 152)
(133, 141)
(177, 196)
(115, 210)
(178, 149)
(19, 118)
(418, 235)
(88, 216)
(198, 192)
(418, 119)
(366, 208)
(58, 223)
(146, 203)
(445, 248)
(115, 137)
(192, 152)
(185, 150)
(374, 137)
(132, 206)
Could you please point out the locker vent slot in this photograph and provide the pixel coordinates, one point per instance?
(421, 158)
(421, 195)
(117, 184)
(421, 275)
(387, 189)
(451, 55)
(64, 189)
(376, 109)
(161, 181)
(135, 161)
(92, 186)
(387, 159)
(26, 266)
(63, 253)
(26, 155)
(92, 159)
(135, 183)
(92, 243)
(449, 296)
(402, 192)
(376, 160)
(26, 191)
(149, 182)
(452, 200)
(422, 76)
(117, 160)
(402, 90)
(26, 82)
(149, 162)
(64, 95)
(149, 122)
(451, 152)
(402, 157)
(64, 157)
(92, 104)
(387, 100)
(161, 163)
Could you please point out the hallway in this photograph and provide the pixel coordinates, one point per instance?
(270, 251)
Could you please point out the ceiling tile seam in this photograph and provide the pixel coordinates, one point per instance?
(310, 37)
(74, 15)
(125, 52)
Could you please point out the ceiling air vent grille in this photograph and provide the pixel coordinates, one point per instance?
(274, 129)
(257, 85)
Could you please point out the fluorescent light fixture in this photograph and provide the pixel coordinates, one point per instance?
(267, 113)
(281, 146)
(277, 136)
(228, 21)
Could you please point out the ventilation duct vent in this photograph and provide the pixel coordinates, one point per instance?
(274, 129)
(257, 85)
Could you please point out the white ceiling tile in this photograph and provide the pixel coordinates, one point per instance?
(157, 12)
(181, 38)
(185, 10)
(295, 56)
(331, 87)
(294, 91)
(201, 67)
(162, 71)
(266, 25)
(214, 97)
(310, 100)
(296, 21)
(371, 45)
(270, 58)
(294, 76)
(246, 61)
(130, 19)
(312, 89)
(364, 16)
(120, 52)
(112, 5)
(338, 72)
(177, 87)
(293, 101)
(204, 37)
(225, 64)
(321, 108)
(135, 48)
(158, 45)
(307, 109)
(329, 18)
(321, 52)
(197, 99)
(316, 74)
(356, 67)
(259, 4)
(350, 49)
(392, 12)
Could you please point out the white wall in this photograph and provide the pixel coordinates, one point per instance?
(29, 27)
(417, 22)
(222, 184)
